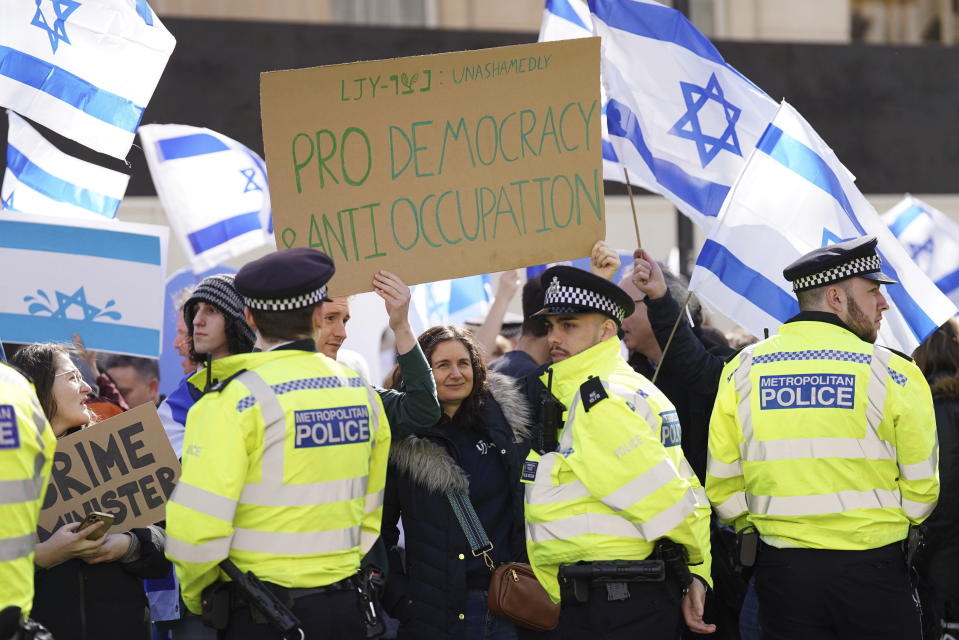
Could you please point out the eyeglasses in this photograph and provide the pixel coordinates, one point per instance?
(77, 377)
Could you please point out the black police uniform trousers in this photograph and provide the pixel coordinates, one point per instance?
(820, 594)
(332, 615)
(651, 612)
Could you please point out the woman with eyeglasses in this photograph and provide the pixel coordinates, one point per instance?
(86, 589)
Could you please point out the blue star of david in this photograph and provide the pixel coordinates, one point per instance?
(689, 126)
(250, 185)
(918, 249)
(62, 9)
(79, 298)
(8, 203)
(828, 237)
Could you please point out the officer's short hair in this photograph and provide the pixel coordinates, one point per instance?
(295, 324)
(810, 298)
(147, 368)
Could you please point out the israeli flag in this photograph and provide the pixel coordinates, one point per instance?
(932, 240)
(679, 117)
(794, 196)
(565, 20)
(102, 279)
(449, 301)
(42, 179)
(214, 191)
(84, 68)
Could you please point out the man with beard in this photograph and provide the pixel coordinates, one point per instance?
(825, 444)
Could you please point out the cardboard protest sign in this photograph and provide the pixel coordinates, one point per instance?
(438, 166)
(124, 466)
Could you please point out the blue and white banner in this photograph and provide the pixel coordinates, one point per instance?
(794, 196)
(449, 301)
(42, 179)
(214, 191)
(84, 68)
(931, 238)
(679, 117)
(566, 20)
(102, 279)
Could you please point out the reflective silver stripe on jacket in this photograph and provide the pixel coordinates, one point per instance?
(613, 525)
(743, 392)
(542, 490)
(25, 490)
(921, 470)
(188, 495)
(732, 506)
(823, 504)
(718, 469)
(299, 543)
(917, 510)
(212, 551)
(16, 548)
(640, 487)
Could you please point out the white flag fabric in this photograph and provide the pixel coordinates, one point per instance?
(100, 278)
(794, 196)
(932, 240)
(85, 69)
(40, 178)
(214, 191)
(566, 20)
(679, 117)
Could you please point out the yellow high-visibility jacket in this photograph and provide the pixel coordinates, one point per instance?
(283, 472)
(27, 445)
(822, 440)
(619, 480)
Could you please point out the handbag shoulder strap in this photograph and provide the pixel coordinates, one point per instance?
(470, 523)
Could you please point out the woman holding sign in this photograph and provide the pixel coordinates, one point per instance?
(86, 588)
(476, 450)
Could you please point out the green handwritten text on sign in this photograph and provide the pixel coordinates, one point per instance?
(438, 166)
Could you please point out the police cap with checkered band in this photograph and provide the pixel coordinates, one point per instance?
(856, 258)
(285, 280)
(571, 291)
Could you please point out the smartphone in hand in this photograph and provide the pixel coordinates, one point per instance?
(98, 524)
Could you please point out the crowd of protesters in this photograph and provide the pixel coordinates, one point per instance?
(464, 408)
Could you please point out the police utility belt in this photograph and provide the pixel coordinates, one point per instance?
(272, 604)
(668, 560)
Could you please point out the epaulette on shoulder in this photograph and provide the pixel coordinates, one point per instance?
(221, 384)
(898, 353)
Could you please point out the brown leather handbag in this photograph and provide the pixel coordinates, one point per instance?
(514, 591)
(516, 594)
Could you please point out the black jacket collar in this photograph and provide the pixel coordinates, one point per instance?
(820, 316)
(305, 344)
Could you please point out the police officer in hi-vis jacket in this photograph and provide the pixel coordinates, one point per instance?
(615, 517)
(825, 444)
(284, 464)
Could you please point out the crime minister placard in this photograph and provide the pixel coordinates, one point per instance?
(124, 466)
(438, 166)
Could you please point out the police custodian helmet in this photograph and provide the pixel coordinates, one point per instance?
(572, 291)
(285, 280)
(856, 258)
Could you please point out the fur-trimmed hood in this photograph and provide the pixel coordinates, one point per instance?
(945, 388)
(428, 464)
